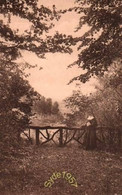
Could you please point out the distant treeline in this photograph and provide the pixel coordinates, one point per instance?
(45, 106)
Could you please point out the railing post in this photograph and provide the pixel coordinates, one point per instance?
(37, 136)
(61, 137)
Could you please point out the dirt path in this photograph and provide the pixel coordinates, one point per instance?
(95, 172)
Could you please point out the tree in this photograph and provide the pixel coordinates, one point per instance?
(16, 97)
(105, 105)
(45, 106)
(48, 106)
(13, 85)
(40, 19)
(55, 108)
(80, 107)
(101, 44)
(109, 95)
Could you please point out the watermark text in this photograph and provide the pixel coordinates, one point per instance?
(57, 175)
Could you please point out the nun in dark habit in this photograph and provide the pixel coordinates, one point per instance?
(90, 137)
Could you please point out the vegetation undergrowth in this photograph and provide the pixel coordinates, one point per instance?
(26, 170)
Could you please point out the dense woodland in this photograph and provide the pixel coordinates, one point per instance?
(105, 105)
(99, 56)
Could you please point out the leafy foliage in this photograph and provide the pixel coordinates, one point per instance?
(80, 108)
(16, 96)
(101, 44)
(40, 20)
(109, 95)
(105, 105)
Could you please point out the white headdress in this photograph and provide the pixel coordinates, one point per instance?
(90, 118)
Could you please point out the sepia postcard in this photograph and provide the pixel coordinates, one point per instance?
(60, 97)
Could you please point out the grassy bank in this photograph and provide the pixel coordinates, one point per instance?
(26, 172)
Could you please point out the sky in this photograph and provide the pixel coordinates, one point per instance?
(52, 80)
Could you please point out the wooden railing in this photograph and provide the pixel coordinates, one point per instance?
(63, 135)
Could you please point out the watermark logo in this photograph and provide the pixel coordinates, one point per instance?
(57, 175)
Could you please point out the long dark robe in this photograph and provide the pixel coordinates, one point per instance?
(90, 136)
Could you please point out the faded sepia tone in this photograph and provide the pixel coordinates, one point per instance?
(60, 97)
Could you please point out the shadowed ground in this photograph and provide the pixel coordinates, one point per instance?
(95, 172)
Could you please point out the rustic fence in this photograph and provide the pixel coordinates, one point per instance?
(61, 135)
